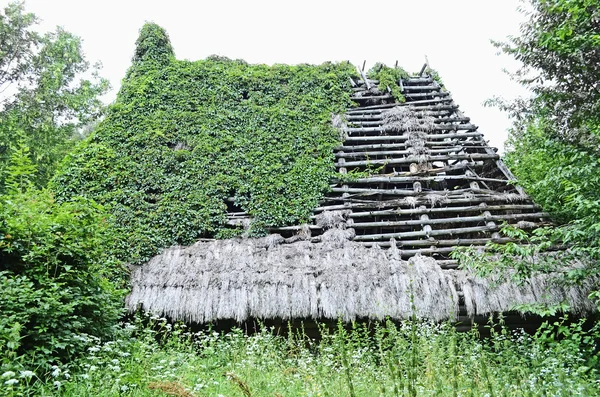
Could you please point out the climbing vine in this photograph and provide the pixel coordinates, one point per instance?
(389, 78)
(187, 141)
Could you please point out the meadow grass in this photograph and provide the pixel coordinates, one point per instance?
(155, 358)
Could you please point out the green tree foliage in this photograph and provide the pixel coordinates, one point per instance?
(44, 99)
(553, 144)
(183, 137)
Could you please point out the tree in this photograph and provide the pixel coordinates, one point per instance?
(44, 99)
(559, 48)
(553, 144)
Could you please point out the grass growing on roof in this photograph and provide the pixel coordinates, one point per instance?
(183, 136)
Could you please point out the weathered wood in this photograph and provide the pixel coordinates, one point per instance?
(411, 103)
(426, 94)
(444, 210)
(441, 243)
(433, 233)
(436, 178)
(372, 97)
(429, 87)
(365, 80)
(437, 127)
(404, 137)
(443, 221)
(394, 152)
(418, 80)
(405, 192)
(399, 203)
(471, 157)
(375, 121)
(382, 108)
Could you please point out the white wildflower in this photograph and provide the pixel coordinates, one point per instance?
(8, 374)
(57, 383)
(11, 382)
(26, 374)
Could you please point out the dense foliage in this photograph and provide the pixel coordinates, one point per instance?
(44, 100)
(53, 286)
(410, 359)
(553, 145)
(185, 136)
(389, 79)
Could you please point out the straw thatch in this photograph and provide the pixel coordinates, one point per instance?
(265, 278)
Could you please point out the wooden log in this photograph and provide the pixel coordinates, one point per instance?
(437, 178)
(431, 242)
(376, 121)
(393, 152)
(374, 146)
(417, 80)
(425, 95)
(405, 192)
(399, 203)
(404, 138)
(444, 210)
(429, 159)
(441, 232)
(437, 127)
(390, 105)
(365, 80)
(443, 221)
(372, 97)
(428, 87)
(427, 108)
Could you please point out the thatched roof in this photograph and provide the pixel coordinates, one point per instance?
(266, 278)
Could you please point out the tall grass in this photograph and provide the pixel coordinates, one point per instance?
(410, 359)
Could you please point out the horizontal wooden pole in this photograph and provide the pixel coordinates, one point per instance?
(437, 178)
(350, 203)
(443, 243)
(371, 97)
(374, 122)
(429, 159)
(394, 152)
(443, 221)
(417, 80)
(432, 233)
(404, 138)
(410, 87)
(444, 210)
(383, 107)
(437, 127)
(409, 95)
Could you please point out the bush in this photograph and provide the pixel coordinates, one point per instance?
(52, 285)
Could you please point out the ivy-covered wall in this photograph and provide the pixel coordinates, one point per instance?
(184, 136)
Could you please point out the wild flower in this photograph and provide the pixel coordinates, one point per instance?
(26, 374)
(57, 384)
(8, 374)
(11, 382)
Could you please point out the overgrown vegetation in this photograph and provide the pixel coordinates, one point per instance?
(412, 359)
(389, 79)
(53, 274)
(183, 137)
(553, 144)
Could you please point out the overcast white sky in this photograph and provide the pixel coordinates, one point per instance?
(455, 36)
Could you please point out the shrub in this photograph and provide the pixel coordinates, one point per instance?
(52, 286)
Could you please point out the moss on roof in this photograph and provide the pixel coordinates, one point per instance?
(184, 136)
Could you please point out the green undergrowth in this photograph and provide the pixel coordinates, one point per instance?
(183, 137)
(410, 359)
